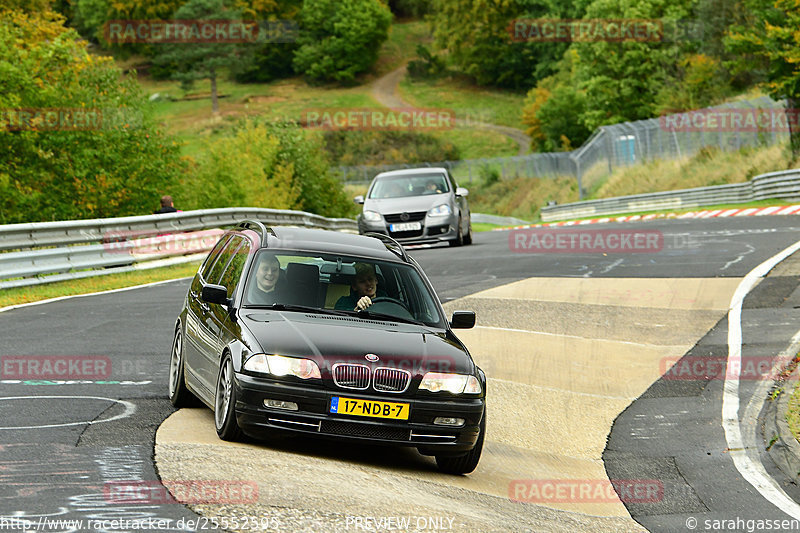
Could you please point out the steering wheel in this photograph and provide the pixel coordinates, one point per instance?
(387, 301)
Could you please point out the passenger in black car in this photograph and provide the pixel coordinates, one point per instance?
(363, 289)
(270, 286)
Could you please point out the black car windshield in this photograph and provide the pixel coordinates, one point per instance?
(414, 185)
(335, 282)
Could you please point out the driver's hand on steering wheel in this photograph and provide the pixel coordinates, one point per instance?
(363, 303)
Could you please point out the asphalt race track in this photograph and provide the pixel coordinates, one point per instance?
(65, 443)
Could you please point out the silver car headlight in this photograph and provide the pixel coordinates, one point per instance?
(440, 211)
(372, 216)
(278, 365)
(453, 383)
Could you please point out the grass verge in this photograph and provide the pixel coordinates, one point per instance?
(793, 412)
(475, 104)
(478, 227)
(36, 293)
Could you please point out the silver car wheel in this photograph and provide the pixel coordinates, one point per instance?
(223, 397)
(175, 363)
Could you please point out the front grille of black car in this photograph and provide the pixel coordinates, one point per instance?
(351, 376)
(372, 431)
(412, 217)
(391, 380)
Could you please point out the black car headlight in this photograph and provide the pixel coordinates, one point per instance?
(278, 365)
(453, 383)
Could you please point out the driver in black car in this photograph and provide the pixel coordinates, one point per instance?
(363, 289)
(270, 285)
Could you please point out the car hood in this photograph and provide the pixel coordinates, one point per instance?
(331, 339)
(408, 204)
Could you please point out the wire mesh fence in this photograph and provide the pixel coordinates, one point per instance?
(757, 122)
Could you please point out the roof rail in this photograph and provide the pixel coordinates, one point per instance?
(257, 226)
(392, 244)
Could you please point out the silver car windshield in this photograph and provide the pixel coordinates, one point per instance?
(403, 186)
(335, 282)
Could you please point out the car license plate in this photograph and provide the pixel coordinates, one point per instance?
(406, 226)
(351, 406)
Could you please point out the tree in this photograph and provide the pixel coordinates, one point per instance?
(479, 35)
(242, 170)
(101, 156)
(270, 58)
(340, 38)
(203, 60)
(622, 79)
(265, 164)
(771, 34)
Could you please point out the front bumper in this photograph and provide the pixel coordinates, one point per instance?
(434, 229)
(313, 418)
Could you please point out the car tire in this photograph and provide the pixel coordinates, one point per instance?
(224, 403)
(464, 464)
(459, 240)
(468, 236)
(179, 394)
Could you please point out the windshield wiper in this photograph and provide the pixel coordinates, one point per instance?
(301, 308)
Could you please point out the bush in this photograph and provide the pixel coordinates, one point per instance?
(115, 163)
(340, 38)
(489, 175)
(274, 165)
(427, 65)
(386, 147)
(410, 8)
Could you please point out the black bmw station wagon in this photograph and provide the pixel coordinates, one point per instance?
(327, 334)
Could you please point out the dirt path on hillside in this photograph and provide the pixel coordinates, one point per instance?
(384, 90)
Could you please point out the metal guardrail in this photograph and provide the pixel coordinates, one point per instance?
(44, 252)
(784, 185)
(37, 234)
(616, 145)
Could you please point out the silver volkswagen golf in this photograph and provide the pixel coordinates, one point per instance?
(417, 205)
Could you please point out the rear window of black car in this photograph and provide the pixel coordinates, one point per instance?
(327, 281)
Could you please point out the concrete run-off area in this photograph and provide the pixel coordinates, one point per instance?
(564, 357)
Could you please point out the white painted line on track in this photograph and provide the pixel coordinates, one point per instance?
(130, 409)
(123, 289)
(749, 467)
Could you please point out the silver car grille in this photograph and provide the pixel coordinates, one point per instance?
(351, 376)
(358, 377)
(391, 380)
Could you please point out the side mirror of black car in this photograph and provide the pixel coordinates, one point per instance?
(463, 320)
(215, 294)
